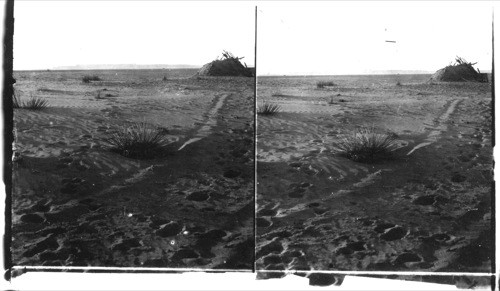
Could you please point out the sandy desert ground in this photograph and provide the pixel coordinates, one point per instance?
(427, 209)
(76, 203)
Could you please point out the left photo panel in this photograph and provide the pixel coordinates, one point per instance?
(133, 135)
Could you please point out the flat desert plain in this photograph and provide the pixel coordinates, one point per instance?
(427, 208)
(77, 203)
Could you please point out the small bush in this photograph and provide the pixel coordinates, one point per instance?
(139, 141)
(399, 83)
(34, 103)
(268, 109)
(322, 84)
(89, 78)
(365, 145)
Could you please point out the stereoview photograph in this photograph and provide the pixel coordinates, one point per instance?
(374, 138)
(133, 135)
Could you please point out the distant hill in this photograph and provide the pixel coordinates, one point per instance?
(124, 67)
(396, 72)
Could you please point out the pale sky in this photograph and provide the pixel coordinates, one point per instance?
(324, 38)
(49, 34)
(294, 38)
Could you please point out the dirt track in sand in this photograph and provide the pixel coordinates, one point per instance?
(429, 209)
(75, 203)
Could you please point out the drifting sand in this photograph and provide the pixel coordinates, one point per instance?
(75, 203)
(429, 209)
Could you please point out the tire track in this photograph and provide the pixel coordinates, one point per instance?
(206, 129)
(436, 132)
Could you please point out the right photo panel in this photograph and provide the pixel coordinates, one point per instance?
(374, 138)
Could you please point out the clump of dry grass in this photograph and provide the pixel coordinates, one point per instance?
(34, 103)
(366, 146)
(139, 141)
(89, 78)
(268, 108)
(323, 84)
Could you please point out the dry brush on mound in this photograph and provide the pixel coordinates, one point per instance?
(228, 65)
(460, 71)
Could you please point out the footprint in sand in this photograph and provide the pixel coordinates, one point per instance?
(45, 244)
(295, 165)
(425, 200)
(273, 246)
(380, 228)
(297, 193)
(170, 229)
(198, 196)
(71, 213)
(394, 233)
(272, 259)
(438, 238)
(32, 218)
(185, 254)
(320, 211)
(262, 222)
(267, 212)
(231, 174)
(407, 258)
(206, 241)
(352, 247)
(123, 245)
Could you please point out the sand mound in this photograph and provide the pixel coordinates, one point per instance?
(460, 71)
(228, 66)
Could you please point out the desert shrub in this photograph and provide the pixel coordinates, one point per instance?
(365, 145)
(88, 78)
(34, 103)
(322, 84)
(267, 108)
(139, 141)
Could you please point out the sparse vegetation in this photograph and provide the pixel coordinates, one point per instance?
(89, 78)
(323, 84)
(139, 141)
(268, 108)
(365, 145)
(34, 103)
